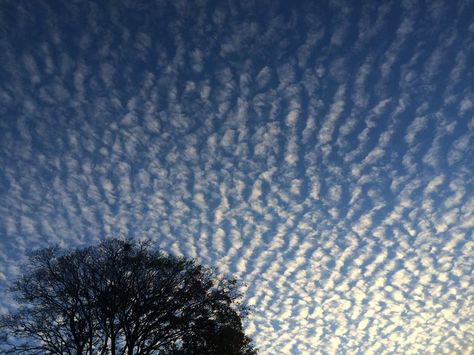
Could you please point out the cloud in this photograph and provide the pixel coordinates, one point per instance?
(322, 158)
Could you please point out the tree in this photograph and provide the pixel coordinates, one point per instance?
(122, 297)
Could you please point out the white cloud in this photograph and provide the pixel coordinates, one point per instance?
(215, 152)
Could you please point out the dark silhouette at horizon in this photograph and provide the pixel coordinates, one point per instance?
(122, 297)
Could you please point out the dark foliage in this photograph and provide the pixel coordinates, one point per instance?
(123, 298)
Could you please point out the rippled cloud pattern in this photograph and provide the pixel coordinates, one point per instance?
(322, 151)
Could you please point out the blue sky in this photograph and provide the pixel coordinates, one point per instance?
(319, 150)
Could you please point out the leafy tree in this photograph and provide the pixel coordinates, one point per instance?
(123, 297)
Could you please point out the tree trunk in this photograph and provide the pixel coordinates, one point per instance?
(112, 337)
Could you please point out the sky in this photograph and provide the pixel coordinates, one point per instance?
(320, 151)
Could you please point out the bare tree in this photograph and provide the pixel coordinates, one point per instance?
(123, 298)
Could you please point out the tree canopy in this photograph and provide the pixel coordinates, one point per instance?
(123, 297)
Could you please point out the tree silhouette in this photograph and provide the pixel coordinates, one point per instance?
(123, 298)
